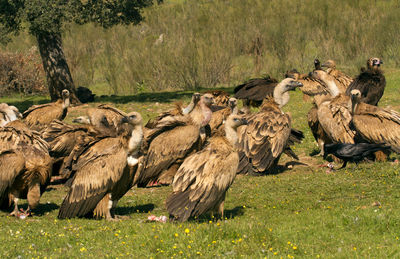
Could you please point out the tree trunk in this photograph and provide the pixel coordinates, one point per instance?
(55, 65)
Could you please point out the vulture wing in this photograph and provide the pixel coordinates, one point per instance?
(39, 115)
(202, 180)
(97, 170)
(335, 118)
(377, 125)
(165, 149)
(256, 89)
(264, 138)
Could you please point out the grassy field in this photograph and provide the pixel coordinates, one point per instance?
(300, 212)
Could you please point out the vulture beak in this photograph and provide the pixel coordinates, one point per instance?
(324, 65)
(244, 121)
(124, 119)
(293, 85)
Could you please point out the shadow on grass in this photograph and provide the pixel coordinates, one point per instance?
(228, 214)
(162, 97)
(145, 208)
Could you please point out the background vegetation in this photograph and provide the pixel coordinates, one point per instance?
(222, 43)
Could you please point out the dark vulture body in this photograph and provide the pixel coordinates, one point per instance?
(25, 166)
(370, 82)
(104, 172)
(255, 90)
(203, 178)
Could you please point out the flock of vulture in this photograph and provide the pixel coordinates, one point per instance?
(199, 149)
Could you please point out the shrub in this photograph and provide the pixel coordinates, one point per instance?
(21, 73)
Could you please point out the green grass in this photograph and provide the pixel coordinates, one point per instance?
(302, 212)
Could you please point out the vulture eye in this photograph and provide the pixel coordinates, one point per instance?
(132, 116)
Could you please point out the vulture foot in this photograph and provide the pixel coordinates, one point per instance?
(122, 217)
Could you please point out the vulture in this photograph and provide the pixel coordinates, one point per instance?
(63, 139)
(221, 98)
(104, 172)
(254, 91)
(341, 79)
(38, 117)
(103, 117)
(8, 113)
(218, 117)
(374, 124)
(266, 136)
(178, 111)
(201, 183)
(371, 82)
(25, 166)
(334, 112)
(172, 140)
(353, 152)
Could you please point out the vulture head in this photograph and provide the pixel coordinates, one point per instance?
(196, 98)
(207, 99)
(355, 96)
(329, 64)
(232, 103)
(82, 120)
(374, 63)
(65, 94)
(132, 118)
(290, 84)
(234, 121)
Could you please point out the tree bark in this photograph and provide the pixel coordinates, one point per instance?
(55, 65)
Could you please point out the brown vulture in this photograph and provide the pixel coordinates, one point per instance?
(25, 166)
(38, 117)
(8, 113)
(373, 124)
(218, 117)
(104, 172)
(178, 111)
(201, 183)
(341, 79)
(63, 139)
(334, 112)
(221, 98)
(371, 82)
(172, 140)
(266, 136)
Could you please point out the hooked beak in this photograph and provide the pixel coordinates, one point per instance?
(244, 121)
(124, 119)
(293, 85)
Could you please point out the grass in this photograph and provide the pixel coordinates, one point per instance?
(303, 212)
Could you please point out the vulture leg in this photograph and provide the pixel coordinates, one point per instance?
(221, 209)
(15, 212)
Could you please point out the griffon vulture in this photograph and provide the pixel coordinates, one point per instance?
(341, 79)
(104, 172)
(174, 139)
(25, 166)
(221, 98)
(334, 113)
(266, 136)
(371, 82)
(8, 113)
(38, 117)
(178, 111)
(374, 124)
(218, 118)
(204, 177)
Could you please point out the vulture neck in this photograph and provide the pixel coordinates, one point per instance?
(231, 135)
(234, 109)
(281, 96)
(189, 108)
(65, 103)
(332, 87)
(354, 104)
(135, 139)
(201, 114)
